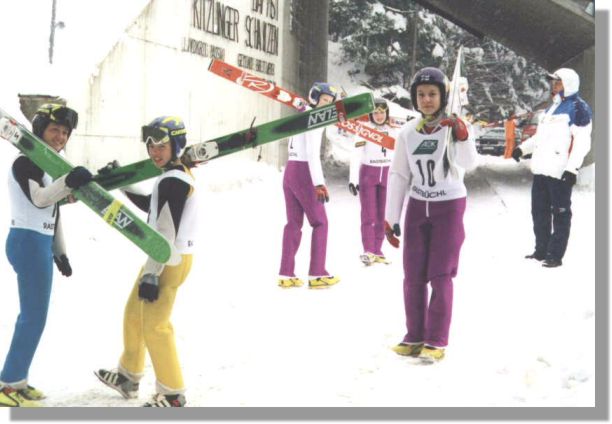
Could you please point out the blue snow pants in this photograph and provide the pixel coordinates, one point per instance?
(30, 254)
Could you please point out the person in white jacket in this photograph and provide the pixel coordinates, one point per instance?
(431, 157)
(368, 175)
(558, 148)
(305, 194)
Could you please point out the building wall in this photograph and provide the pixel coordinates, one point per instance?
(159, 67)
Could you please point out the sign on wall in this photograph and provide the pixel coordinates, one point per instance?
(254, 33)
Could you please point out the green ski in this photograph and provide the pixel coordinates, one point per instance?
(348, 108)
(95, 197)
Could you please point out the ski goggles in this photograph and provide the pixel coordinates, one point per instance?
(155, 135)
(60, 114)
(381, 107)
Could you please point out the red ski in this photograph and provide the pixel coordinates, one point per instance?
(271, 90)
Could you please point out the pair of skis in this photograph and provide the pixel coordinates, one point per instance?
(271, 90)
(97, 198)
(349, 107)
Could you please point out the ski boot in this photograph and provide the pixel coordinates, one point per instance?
(408, 349)
(12, 398)
(368, 258)
(119, 382)
(431, 354)
(31, 393)
(166, 401)
(288, 282)
(322, 282)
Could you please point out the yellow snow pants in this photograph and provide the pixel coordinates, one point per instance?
(147, 327)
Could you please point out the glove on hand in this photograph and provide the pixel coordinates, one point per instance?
(77, 177)
(148, 289)
(392, 234)
(250, 136)
(460, 132)
(322, 193)
(106, 169)
(63, 265)
(569, 178)
(516, 154)
(354, 189)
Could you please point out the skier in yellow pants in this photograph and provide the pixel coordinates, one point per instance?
(146, 325)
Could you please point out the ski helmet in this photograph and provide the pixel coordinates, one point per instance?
(319, 88)
(433, 76)
(380, 105)
(166, 129)
(56, 113)
(569, 78)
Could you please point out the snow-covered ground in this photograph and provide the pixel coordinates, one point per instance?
(522, 335)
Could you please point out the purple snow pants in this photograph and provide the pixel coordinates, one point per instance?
(300, 199)
(433, 235)
(373, 195)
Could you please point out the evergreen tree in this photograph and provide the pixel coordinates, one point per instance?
(377, 38)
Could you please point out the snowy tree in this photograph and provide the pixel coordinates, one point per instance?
(377, 37)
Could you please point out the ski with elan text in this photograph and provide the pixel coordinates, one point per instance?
(273, 91)
(350, 107)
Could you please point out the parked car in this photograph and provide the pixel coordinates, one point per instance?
(492, 141)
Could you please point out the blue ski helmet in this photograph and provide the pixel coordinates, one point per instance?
(166, 129)
(380, 105)
(433, 76)
(56, 113)
(319, 88)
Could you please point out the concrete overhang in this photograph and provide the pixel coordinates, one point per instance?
(547, 32)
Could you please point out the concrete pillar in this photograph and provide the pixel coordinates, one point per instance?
(307, 61)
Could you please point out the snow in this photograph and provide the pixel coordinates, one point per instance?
(438, 51)
(245, 342)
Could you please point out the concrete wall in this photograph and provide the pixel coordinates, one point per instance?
(159, 67)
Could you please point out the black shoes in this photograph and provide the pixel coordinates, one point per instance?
(547, 262)
(551, 263)
(537, 256)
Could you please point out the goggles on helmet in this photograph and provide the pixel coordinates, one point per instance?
(60, 114)
(155, 135)
(381, 107)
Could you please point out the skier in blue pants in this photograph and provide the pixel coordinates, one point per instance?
(34, 241)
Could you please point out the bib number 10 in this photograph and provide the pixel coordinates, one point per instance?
(430, 166)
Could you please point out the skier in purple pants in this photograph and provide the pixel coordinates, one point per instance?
(431, 173)
(369, 169)
(305, 194)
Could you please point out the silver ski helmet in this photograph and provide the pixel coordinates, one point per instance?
(380, 105)
(166, 129)
(56, 113)
(319, 88)
(430, 75)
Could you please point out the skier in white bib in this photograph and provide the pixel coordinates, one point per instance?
(368, 174)
(428, 167)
